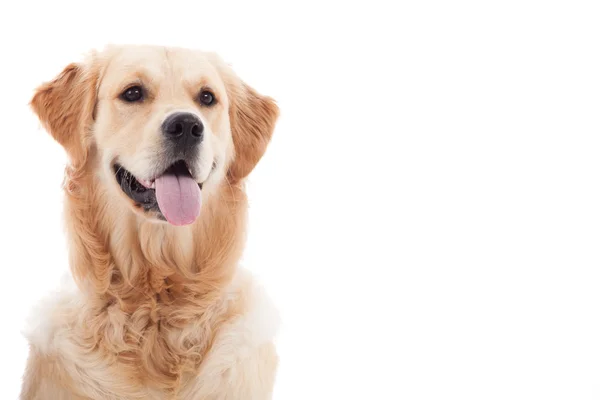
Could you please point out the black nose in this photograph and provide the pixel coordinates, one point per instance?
(184, 127)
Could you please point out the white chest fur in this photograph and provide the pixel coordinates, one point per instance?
(240, 363)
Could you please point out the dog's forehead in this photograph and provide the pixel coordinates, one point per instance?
(160, 64)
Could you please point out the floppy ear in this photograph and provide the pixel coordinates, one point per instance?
(65, 107)
(252, 117)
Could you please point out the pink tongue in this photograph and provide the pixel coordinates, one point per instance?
(178, 197)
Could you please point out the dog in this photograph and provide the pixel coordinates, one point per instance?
(160, 141)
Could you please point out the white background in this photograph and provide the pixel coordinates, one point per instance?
(427, 218)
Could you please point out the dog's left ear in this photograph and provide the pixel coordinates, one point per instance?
(252, 118)
(65, 107)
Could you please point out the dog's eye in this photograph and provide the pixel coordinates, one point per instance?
(132, 94)
(207, 98)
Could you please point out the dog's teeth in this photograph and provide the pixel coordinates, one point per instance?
(146, 183)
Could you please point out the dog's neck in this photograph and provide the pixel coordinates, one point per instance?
(124, 257)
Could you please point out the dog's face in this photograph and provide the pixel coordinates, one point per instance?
(165, 126)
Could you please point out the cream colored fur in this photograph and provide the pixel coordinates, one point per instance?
(240, 365)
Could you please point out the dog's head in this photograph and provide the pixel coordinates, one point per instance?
(163, 127)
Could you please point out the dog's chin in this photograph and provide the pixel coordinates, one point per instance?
(174, 196)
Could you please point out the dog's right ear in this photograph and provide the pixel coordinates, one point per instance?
(65, 106)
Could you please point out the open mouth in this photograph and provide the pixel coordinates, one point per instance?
(174, 194)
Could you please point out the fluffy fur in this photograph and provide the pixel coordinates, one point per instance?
(153, 311)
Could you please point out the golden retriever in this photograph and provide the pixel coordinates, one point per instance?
(160, 141)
